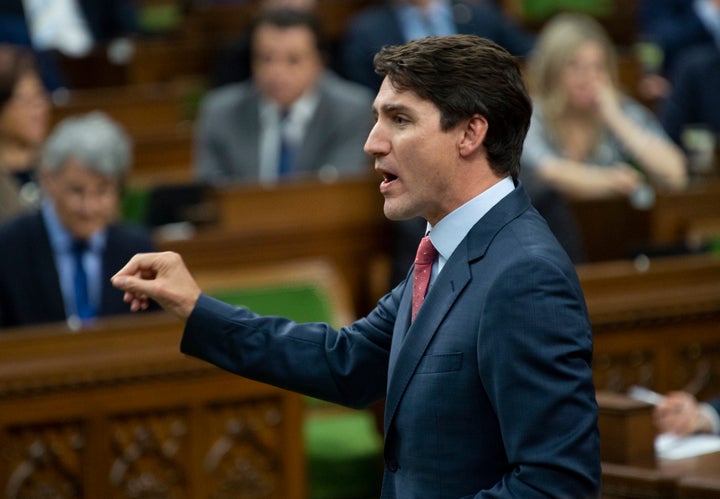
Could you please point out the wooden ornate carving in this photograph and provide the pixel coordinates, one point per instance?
(44, 462)
(698, 367)
(147, 452)
(617, 371)
(245, 459)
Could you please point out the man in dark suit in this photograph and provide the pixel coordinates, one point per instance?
(488, 382)
(398, 21)
(83, 164)
(694, 100)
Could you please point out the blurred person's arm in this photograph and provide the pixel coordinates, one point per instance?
(578, 180)
(655, 154)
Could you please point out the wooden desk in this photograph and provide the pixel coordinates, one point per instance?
(626, 430)
(117, 412)
(675, 214)
(613, 229)
(655, 324)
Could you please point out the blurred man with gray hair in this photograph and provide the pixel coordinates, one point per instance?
(56, 263)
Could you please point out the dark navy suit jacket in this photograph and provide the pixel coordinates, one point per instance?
(489, 392)
(378, 26)
(29, 284)
(695, 95)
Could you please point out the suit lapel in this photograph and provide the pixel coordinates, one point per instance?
(411, 340)
(49, 295)
(246, 139)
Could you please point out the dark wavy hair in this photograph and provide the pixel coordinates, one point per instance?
(464, 75)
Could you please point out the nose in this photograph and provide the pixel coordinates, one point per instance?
(375, 145)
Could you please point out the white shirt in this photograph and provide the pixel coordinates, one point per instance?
(271, 128)
(58, 24)
(709, 14)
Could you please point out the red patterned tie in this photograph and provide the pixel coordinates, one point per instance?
(426, 254)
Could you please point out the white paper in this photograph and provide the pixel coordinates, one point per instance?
(669, 446)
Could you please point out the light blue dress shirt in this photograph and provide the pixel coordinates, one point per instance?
(447, 234)
(436, 20)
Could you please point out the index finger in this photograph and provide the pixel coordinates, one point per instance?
(138, 263)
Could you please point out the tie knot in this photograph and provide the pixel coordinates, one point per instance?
(426, 252)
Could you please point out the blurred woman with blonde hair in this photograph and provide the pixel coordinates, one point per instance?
(587, 139)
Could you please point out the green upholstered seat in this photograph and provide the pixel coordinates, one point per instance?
(344, 451)
(301, 302)
(343, 446)
(134, 205)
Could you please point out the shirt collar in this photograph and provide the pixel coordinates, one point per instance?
(447, 234)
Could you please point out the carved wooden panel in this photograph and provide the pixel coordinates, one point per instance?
(617, 371)
(245, 456)
(44, 461)
(120, 413)
(147, 452)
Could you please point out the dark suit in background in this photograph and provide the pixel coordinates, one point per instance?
(674, 26)
(377, 26)
(29, 284)
(695, 93)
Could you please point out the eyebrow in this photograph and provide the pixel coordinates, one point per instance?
(392, 108)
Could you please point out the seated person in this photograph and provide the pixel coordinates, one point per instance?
(587, 140)
(678, 25)
(395, 22)
(24, 122)
(681, 413)
(56, 263)
(294, 118)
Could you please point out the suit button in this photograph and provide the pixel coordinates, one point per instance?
(392, 465)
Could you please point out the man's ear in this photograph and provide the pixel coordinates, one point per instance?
(473, 135)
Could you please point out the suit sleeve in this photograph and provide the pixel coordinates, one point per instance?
(346, 366)
(534, 352)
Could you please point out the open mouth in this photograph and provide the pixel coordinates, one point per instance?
(388, 177)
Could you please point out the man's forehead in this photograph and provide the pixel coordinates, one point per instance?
(390, 98)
